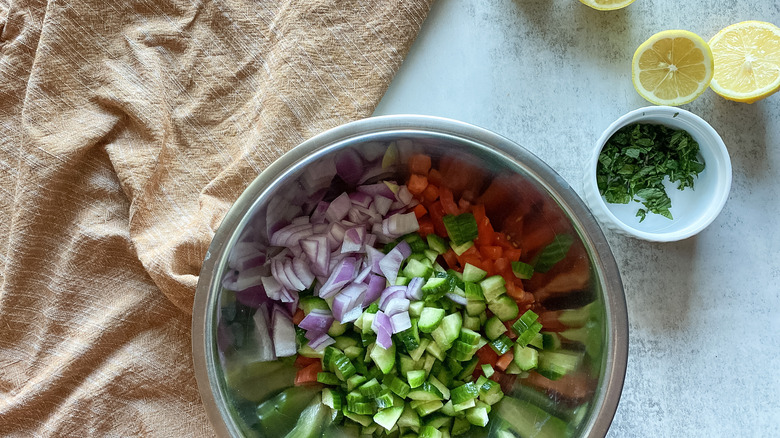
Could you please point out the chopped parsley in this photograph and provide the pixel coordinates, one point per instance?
(637, 158)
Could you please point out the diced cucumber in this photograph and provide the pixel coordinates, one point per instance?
(493, 287)
(494, 328)
(409, 418)
(490, 392)
(439, 421)
(504, 307)
(363, 420)
(525, 321)
(337, 329)
(307, 351)
(472, 273)
(523, 271)
(431, 255)
(370, 389)
(436, 286)
(416, 308)
(478, 416)
(464, 393)
(383, 358)
(523, 416)
(429, 432)
(415, 378)
(416, 268)
(332, 398)
(527, 336)
(342, 366)
(424, 408)
(449, 329)
(353, 352)
(327, 378)
(445, 392)
(417, 353)
(397, 385)
(342, 342)
(410, 337)
(406, 364)
(402, 281)
(435, 350)
(475, 308)
(487, 369)
(471, 322)
(309, 303)
(430, 318)
(556, 364)
(502, 344)
(425, 392)
(469, 336)
(468, 369)
(387, 418)
(551, 341)
(470, 403)
(355, 381)
(463, 247)
(437, 243)
(460, 425)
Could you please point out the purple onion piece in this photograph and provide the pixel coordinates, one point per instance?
(390, 293)
(400, 322)
(322, 341)
(343, 273)
(265, 344)
(414, 288)
(252, 297)
(272, 288)
(376, 284)
(396, 305)
(303, 272)
(457, 299)
(403, 195)
(349, 166)
(338, 208)
(316, 321)
(382, 204)
(361, 199)
(283, 333)
(377, 189)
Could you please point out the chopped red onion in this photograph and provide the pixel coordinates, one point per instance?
(303, 272)
(396, 305)
(252, 297)
(377, 189)
(349, 166)
(390, 293)
(289, 271)
(342, 274)
(401, 224)
(250, 277)
(457, 299)
(338, 208)
(262, 320)
(272, 288)
(414, 288)
(400, 322)
(391, 263)
(360, 199)
(382, 204)
(301, 220)
(319, 343)
(318, 215)
(382, 326)
(404, 248)
(317, 320)
(403, 195)
(376, 284)
(317, 251)
(374, 257)
(361, 277)
(283, 333)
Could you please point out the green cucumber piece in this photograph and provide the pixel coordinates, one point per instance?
(478, 416)
(387, 418)
(501, 344)
(493, 287)
(425, 392)
(475, 308)
(556, 364)
(383, 358)
(449, 329)
(494, 328)
(464, 393)
(415, 378)
(416, 308)
(473, 274)
(504, 307)
(430, 318)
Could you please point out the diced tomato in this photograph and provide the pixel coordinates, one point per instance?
(513, 254)
(447, 201)
(463, 204)
(503, 267)
(509, 330)
(491, 252)
(419, 164)
(417, 184)
(504, 360)
(487, 355)
(430, 194)
(298, 317)
(434, 177)
(436, 211)
(303, 361)
(426, 226)
(308, 375)
(450, 258)
(419, 211)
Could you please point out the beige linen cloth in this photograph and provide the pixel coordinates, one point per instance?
(127, 129)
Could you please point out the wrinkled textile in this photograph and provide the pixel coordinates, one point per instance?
(127, 129)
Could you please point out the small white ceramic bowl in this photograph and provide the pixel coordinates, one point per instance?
(692, 209)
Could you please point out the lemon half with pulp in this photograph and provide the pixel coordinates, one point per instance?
(672, 67)
(607, 5)
(747, 61)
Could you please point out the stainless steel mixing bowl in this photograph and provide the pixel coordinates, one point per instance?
(281, 192)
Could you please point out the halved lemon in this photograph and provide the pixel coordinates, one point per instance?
(747, 61)
(672, 67)
(607, 5)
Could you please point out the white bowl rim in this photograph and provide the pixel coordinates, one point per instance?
(719, 147)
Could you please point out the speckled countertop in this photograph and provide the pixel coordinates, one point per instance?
(704, 313)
